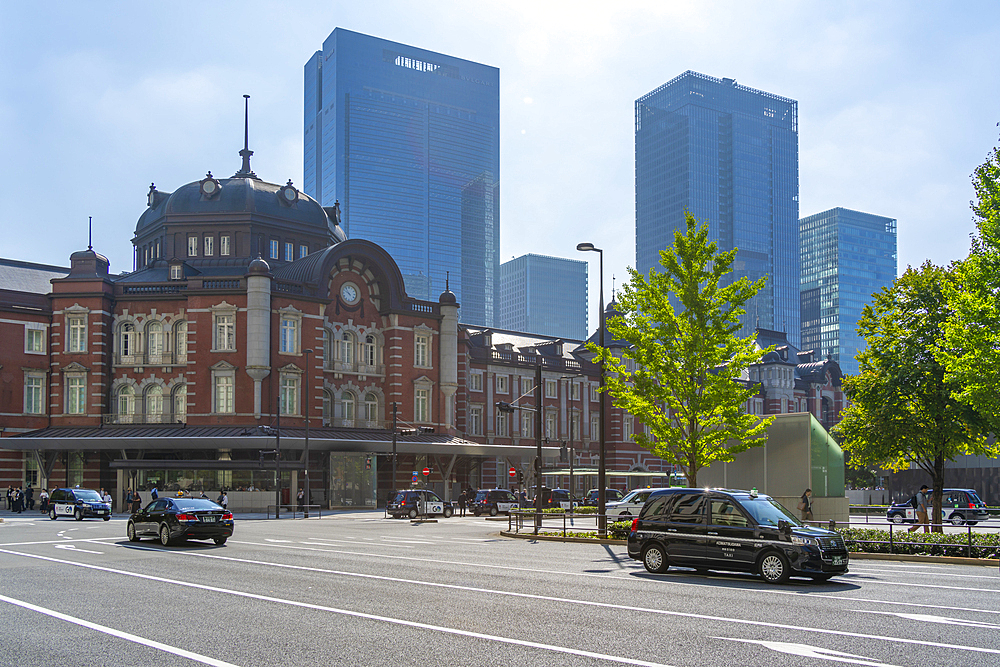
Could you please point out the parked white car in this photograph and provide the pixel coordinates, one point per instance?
(630, 504)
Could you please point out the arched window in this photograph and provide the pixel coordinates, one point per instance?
(181, 341)
(180, 402)
(154, 404)
(327, 349)
(371, 409)
(127, 340)
(346, 348)
(126, 404)
(327, 408)
(370, 356)
(154, 341)
(347, 407)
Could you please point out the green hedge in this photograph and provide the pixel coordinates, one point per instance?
(984, 545)
(617, 530)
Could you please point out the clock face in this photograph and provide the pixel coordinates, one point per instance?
(208, 187)
(290, 194)
(349, 293)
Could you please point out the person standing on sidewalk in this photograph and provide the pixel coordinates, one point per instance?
(922, 503)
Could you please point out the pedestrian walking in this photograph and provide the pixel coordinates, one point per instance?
(154, 494)
(223, 499)
(462, 501)
(805, 505)
(10, 498)
(300, 500)
(136, 501)
(18, 500)
(29, 497)
(922, 503)
(43, 501)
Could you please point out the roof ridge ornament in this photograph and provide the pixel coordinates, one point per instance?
(246, 171)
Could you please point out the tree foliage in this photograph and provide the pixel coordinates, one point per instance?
(971, 349)
(685, 386)
(902, 407)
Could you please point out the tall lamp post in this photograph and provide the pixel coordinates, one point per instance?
(602, 520)
(305, 455)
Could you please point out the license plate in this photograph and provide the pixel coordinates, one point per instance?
(209, 519)
(838, 560)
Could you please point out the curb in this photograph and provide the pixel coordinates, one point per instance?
(947, 560)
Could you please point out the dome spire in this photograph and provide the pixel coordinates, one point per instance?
(245, 171)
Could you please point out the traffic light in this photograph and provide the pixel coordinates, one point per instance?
(520, 477)
(368, 463)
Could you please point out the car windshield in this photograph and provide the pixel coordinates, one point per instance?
(768, 513)
(481, 495)
(399, 498)
(196, 504)
(432, 497)
(632, 497)
(88, 495)
(974, 498)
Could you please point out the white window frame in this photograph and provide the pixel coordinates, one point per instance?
(476, 381)
(178, 403)
(551, 425)
(156, 346)
(527, 384)
(303, 250)
(371, 404)
(176, 272)
(595, 393)
(551, 389)
(275, 248)
(192, 246)
(224, 391)
(574, 391)
(209, 245)
(422, 404)
(503, 384)
(348, 402)
(527, 424)
(153, 405)
(223, 328)
(370, 350)
(628, 428)
(289, 392)
(125, 396)
(501, 424)
(34, 338)
(224, 244)
(76, 393)
(476, 420)
(76, 332)
(289, 332)
(421, 349)
(595, 427)
(346, 341)
(34, 392)
(180, 330)
(289, 251)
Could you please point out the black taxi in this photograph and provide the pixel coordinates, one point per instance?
(722, 529)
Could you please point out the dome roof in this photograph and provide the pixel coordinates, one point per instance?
(259, 267)
(244, 195)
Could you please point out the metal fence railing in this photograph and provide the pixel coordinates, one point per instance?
(305, 511)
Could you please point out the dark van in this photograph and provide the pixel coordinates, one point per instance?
(959, 506)
(494, 501)
(714, 529)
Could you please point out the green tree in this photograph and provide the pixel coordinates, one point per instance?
(902, 408)
(971, 349)
(685, 386)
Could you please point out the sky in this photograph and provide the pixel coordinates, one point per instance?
(898, 103)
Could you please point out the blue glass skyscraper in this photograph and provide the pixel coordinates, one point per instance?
(544, 295)
(728, 154)
(408, 141)
(847, 256)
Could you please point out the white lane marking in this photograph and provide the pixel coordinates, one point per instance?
(921, 571)
(806, 651)
(344, 612)
(197, 657)
(268, 539)
(73, 547)
(546, 598)
(673, 579)
(82, 539)
(928, 618)
(326, 542)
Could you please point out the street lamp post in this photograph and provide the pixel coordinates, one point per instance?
(392, 485)
(602, 520)
(277, 459)
(305, 455)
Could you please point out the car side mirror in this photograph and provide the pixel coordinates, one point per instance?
(784, 527)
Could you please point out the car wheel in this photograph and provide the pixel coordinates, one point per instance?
(107, 518)
(476, 512)
(413, 514)
(896, 518)
(957, 520)
(447, 512)
(972, 523)
(493, 511)
(130, 531)
(52, 513)
(219, 541)
(78, 515)
(624, 514)
(654, 559)
(773, 568)
(164, 535)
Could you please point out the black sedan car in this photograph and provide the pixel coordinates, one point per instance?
(177, 519)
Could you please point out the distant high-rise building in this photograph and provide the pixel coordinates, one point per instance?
(847, 256)
(544, 295)
(730, 155)
(408, 141)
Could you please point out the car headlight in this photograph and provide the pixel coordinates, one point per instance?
(805, 541)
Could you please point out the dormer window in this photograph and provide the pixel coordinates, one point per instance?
(176, 271)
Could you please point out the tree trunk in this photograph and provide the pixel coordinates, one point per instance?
(938, 483)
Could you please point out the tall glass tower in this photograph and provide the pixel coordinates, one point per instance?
(847, 256)
(544, 295)
(730, 155)
(408, 141)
